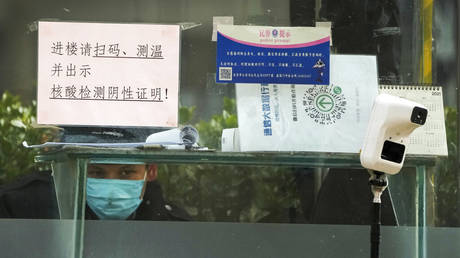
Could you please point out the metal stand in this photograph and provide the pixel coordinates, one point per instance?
(379, 183)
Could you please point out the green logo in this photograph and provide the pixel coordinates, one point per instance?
(337, 90)
(324, 103)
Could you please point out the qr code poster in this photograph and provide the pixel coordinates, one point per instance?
(322, 118)
(282, 55)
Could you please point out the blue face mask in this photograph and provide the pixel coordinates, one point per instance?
(113, 198)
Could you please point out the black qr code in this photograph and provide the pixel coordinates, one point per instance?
(225, 73)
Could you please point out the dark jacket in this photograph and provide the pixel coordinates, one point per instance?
(30, 197)
(33, 197)
(345, 197)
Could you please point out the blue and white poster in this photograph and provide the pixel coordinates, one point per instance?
(281, 55)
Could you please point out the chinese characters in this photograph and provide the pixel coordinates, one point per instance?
(79, 90)
(107, 50)
(267, 121)
(70, 70)
(107, 93)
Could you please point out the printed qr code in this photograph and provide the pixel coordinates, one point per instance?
(225, 73)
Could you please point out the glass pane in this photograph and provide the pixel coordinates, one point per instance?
(445, 177)
(38, 238)
(246, 200)
(178, 239)
(272, 194)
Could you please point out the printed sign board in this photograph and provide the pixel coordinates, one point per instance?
(106, 74)
(322, 118)
(285, 55)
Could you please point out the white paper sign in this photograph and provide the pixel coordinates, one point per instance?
(227, 20)
(325, 25)
(107, 74)
(323, 118)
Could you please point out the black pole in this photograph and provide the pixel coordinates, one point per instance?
(375, 230)
(379, 183)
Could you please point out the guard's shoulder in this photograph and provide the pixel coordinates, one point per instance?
(155, 207)
(31, 196)
(27, 180)
(176, 213)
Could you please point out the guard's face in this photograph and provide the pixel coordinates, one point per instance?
(117, 171)
(116, 191)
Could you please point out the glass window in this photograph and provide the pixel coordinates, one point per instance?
(219, 203)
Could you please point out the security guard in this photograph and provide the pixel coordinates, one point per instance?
(33, 196)
(127, 191)
(113, 191)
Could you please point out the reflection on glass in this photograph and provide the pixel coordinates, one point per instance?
(272, 194)
(390, 29)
